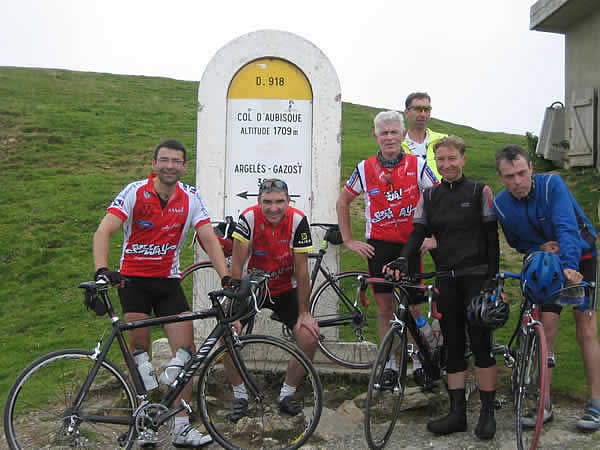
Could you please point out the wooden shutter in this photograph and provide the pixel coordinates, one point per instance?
(582, 130)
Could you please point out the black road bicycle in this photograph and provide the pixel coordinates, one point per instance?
(346, 323)
(384, 399)
(81, 399)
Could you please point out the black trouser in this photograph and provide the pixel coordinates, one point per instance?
(455, 295)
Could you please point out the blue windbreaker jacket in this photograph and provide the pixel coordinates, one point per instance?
(548, 213)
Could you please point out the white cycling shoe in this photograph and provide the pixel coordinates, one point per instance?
(189, 437)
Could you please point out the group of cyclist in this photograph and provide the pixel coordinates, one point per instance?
(408, 212)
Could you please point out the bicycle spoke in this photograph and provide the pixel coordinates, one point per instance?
(348, 333)
(532, 370)
(384, 398)
(264, 426)
(39, 410)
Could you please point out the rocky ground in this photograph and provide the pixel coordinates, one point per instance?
(341, 424)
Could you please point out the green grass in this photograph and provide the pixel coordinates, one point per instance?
(69, 142)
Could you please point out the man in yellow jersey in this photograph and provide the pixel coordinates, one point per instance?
(419, 139)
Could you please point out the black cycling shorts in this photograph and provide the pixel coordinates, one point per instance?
(164, 296)
(587, 268)
(455, 295)
(386, 252)
(286, 307)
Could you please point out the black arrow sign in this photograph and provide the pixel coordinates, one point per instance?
(245, 195)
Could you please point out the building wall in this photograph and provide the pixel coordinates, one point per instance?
(582, 54)
(582, 61)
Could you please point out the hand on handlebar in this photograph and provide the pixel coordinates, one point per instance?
(113, 278)
(396, 269)
(572, 276)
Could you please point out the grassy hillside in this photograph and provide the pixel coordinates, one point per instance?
(69, 141)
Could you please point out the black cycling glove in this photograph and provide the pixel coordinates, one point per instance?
(111, 277)
(400, 264)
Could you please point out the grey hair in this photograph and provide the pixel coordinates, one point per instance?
(388, 116)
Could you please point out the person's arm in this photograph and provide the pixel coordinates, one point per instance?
(342, 208)
(239, 257)
(394, 268)
(564, 222)
(493, 248)
(490, 227)
(213, 249)
(109, 225)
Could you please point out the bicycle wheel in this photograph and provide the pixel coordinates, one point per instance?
(348, 332)
(203, 277)
(266, 360)
(383, 402)
(533, 377)
(39, 410)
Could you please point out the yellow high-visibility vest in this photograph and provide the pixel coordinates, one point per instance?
(431, 139)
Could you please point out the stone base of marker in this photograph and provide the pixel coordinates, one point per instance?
(161, 354)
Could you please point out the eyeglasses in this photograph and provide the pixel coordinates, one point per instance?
(175, 162)
(273, 184)
(421, 109)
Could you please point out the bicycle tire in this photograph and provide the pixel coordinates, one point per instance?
(266, 360)
(38, 405)
(533, 379)
(380, 399)
(210, 282)
(353, 344)
(200, 275)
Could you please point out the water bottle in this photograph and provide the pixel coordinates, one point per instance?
(174, 366)
(437, 332)
(426, 331)
(145, 369)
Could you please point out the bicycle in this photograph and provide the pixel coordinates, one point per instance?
(527, 355)
(345, 323)
(383, 401)
(79, 398)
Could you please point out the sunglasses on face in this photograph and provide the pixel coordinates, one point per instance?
(421, 109)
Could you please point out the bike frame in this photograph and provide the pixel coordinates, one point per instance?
(403, 319)
(221, 330)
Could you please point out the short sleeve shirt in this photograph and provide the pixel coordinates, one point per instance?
(391, 195)
(272, 246)
(153, 235)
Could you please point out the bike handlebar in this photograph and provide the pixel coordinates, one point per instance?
(406, 282)
(501, 276)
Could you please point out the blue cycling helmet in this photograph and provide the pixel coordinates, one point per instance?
(541, 276)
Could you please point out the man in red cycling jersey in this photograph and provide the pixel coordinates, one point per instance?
(156, 215)
(391, 182)
(275, 237)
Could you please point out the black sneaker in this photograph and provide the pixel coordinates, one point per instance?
(389, 378)
(239, 410)
(290, 406)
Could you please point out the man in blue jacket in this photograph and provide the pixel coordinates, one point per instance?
(537, 212)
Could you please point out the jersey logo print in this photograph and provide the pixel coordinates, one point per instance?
(146, 210)
(393, 196)
(150, 249)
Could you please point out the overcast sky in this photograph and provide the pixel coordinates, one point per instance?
(478, 59)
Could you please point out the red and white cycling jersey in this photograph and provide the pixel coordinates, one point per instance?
(391, 195)
(272, 247)
(153, 235)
